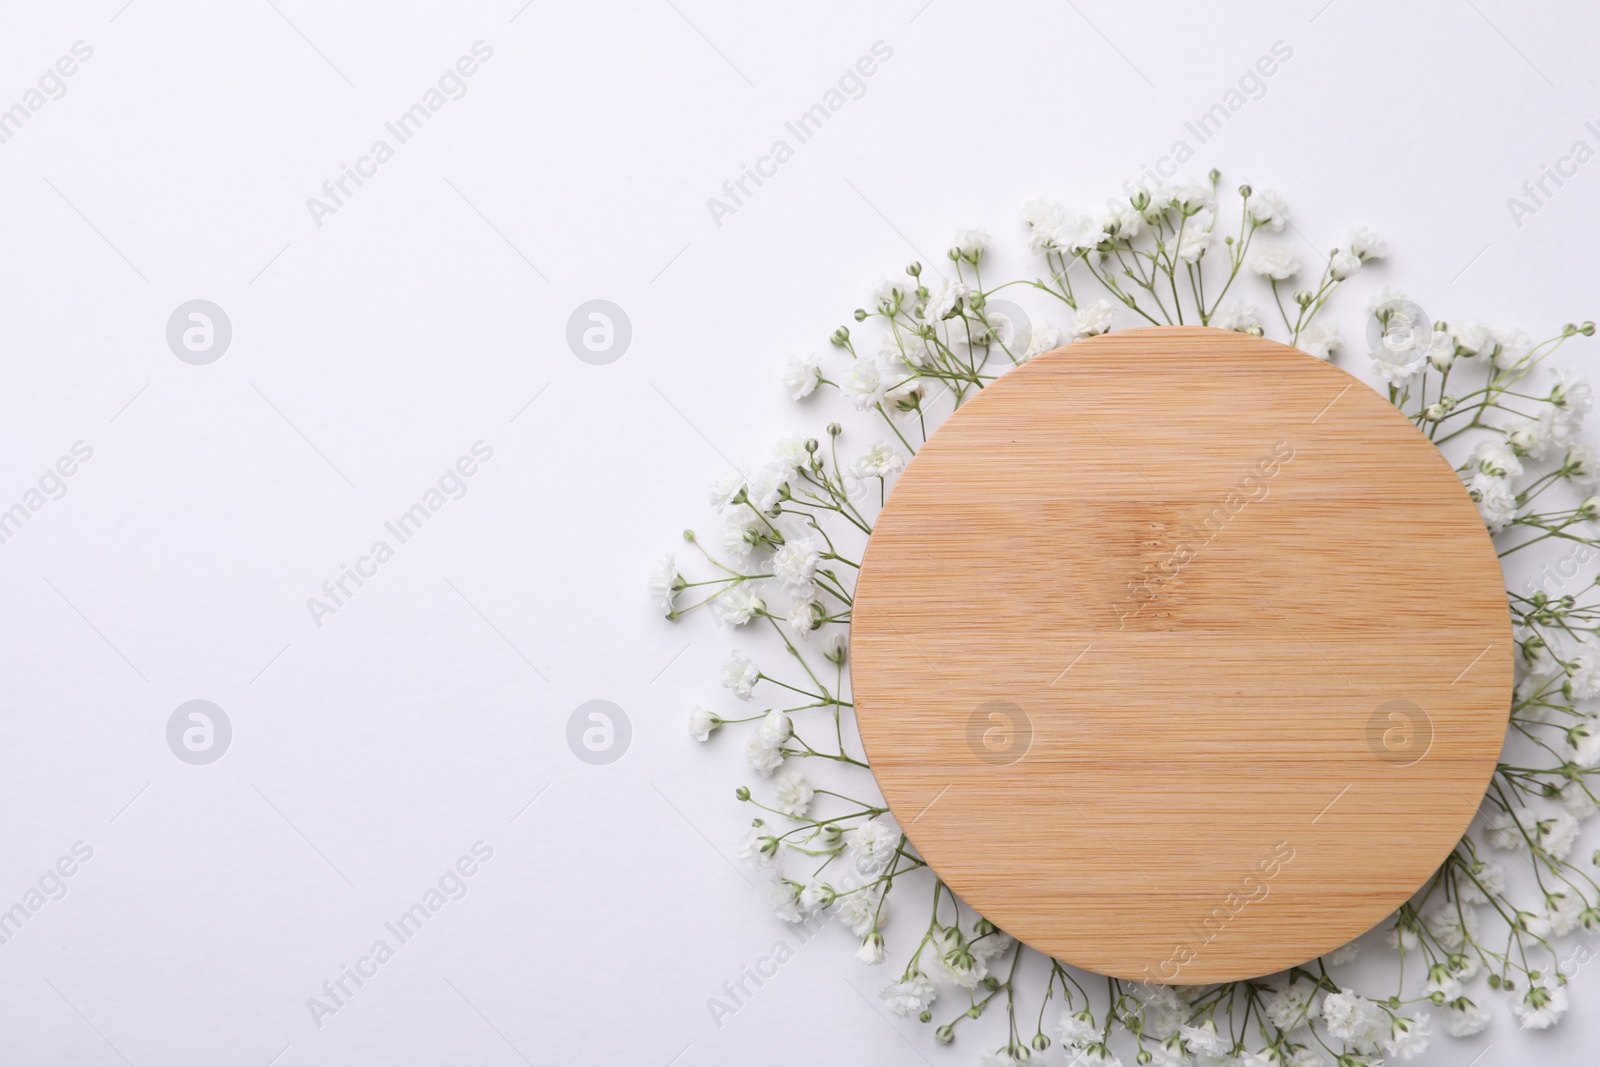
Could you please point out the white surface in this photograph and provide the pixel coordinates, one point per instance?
(370, 753)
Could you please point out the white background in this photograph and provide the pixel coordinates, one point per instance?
(372, 351)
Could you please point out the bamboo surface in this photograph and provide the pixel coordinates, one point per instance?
(1181, 655)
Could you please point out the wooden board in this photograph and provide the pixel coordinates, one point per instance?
(1181, 655)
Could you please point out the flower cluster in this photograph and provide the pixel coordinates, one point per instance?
(794, 528)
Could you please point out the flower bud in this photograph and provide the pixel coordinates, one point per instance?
(743, 792)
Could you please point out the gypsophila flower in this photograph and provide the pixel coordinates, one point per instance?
(1045, 219)
(873, 844)
(724, 488)
(1496, 459)
(1042, 338)
(1235, 315)
(801, 377)
(1367, 244)
(1203, 1039)
(872, 949)
(879, 461)
(1267, 208)
(951, 295)
(759, 847)
(864, 383)
(702, 723)
(665, 581)
(793, 794)
(1542, 1005)
(768, 484)
(970, 244)
(1319, 339)
(1342, 264)
(1288, 1005)
(1353, 1018)
(783, 897)
(795, 564)
(1408, 1038)
(909, 996)
(1278, 262)
(862, 912)
(1092, 319)
(740, 674)
(791, 452)
(1496, 503)
(1194, 236)
(1465, 1018)
(805, 615)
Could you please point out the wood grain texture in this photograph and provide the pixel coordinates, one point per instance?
(1181, 655)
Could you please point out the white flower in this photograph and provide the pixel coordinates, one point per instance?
(1409, 1038)
(1092, 319)
(1235, 315)
(872, 951)
(1343, 264)
(1558, 834)
(1572, 391)
(795, 564)
(903, 345)
(1044, 219)
(664, 583)
(890, 294)
(735, 534)
(1319, 339)
(909, 996)
(1583, 740)
(951, 292)
(1353, 1018)
(1343, 954)
(1080, 234)
(1496, 503)
(862, 912)
(1578, 801)
(1042, 338)
(791, 452)
(1496, 459)
(1475, 339)
(804, 616)
(724, 488)
(702, 723)
(879, 461)
(1542, 1006)
(794, 794)
(1122, 223)
(774, 728)
(1451, 924)
(801, 377)
(738, 605)
(784, 897)
(1278, 262)
(864, 383)
(998, 1058)
(768, 484)
(1367, 244)
(1488, 878)
(1267, 209)
(1203, 1039)
(759, 848)
(1075, 1031)
(970, 244)
(957, 962)
(740, 674)
(873, 844)
(1530, 438)
(764, 759)
(1466, 1019)
(1287, 1006)
(834, 647)
(1194, 236)
(1563, 910)
(1582, 466)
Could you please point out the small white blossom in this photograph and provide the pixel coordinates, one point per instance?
(1367, 244)
(784, 897)
(1542, 1004)
(740, 674)
(1267, 209)
(702, 723)
(1342, 264)
(664, 583)
(801, 377)
(794, 794)
(879, 461)
(1278, 262)
(795, 563)
(971, 244)
(873, 844)
(1093, 319)
(910, 996)
(1319, 339)
(1233, 314)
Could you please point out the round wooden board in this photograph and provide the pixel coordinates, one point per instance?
(1181, 655)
